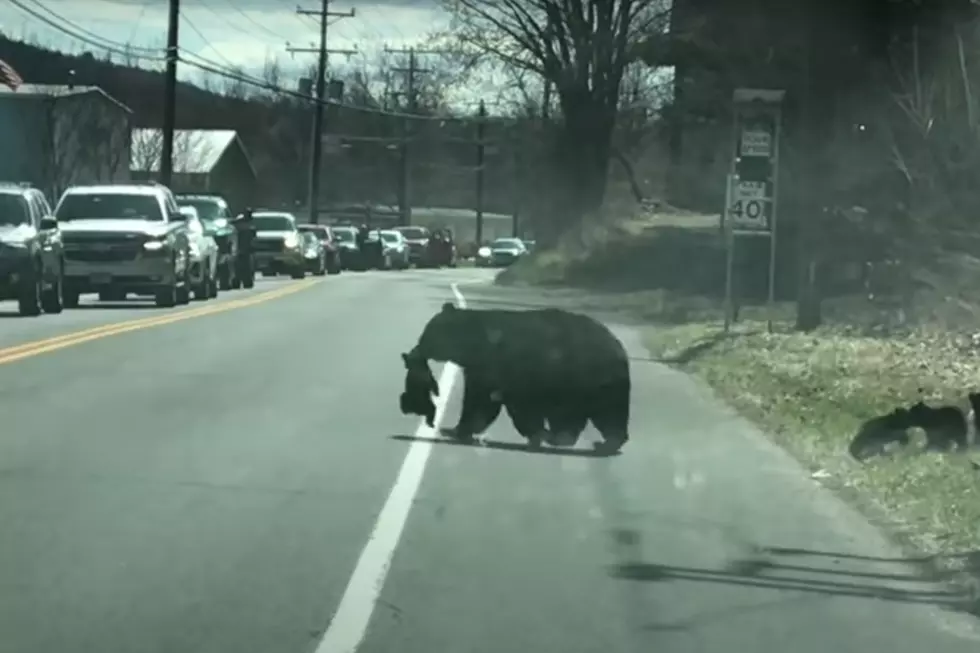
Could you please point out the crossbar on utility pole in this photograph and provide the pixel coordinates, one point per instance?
(316, 155)
(404, 182)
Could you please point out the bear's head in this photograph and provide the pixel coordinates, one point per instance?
(453, 334)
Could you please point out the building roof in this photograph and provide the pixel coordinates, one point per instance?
(38, 91)
(196, 151)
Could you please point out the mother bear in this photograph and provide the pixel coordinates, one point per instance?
(544, 365)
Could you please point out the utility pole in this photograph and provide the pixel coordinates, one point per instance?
(316, 155)
(170, 96)
(480, 157)
(411, 97)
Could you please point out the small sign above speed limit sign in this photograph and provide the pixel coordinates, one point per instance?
(748, 205)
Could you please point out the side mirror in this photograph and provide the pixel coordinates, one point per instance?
(48, 222)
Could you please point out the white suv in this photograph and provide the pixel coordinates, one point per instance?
(124, 238)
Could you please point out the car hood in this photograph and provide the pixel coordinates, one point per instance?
(147, 227)
(16, 234)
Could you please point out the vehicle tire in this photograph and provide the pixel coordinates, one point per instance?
(299, 272)
(29, 295)
(53, 299)
(321, 269)
(202, 292)
(166, 296)
(225, 278)
(184, 289)
(215, 286)
(71, 299)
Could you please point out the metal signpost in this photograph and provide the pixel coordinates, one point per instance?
(750, 199)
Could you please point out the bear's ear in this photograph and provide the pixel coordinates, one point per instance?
(405, 359)
(448, 306)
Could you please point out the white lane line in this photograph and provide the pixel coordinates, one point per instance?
(350, 622)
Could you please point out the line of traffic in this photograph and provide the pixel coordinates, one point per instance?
(27, 350)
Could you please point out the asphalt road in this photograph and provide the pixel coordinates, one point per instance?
(242, 481)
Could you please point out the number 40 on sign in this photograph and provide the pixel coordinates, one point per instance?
(748, 205)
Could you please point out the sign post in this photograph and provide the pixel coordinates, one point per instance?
(752, 184)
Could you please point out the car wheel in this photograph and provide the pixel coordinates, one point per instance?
(29, 297)
(225, 281)
(202, 291)
(53, 299)
(166, 295)
(184, 289)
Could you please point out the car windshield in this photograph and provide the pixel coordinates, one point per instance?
(273, 223)
(13, 210)
(344, 235)
(414, 233)
(109, 206)
(506, 243)
(390, 237)
(208, 210)
(319, 232)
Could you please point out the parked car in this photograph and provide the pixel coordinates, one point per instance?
(418, 244)
(501, 252)
(313, 252)
(124, 238)
(278, 246)
(216, 217)
(395, 250)
(31, 251)
(203, 252)
(330, 246)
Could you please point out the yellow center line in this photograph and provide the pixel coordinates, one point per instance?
(18, 352)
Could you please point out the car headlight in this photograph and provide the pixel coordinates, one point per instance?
(484, 252)
(153, 245)
(291, 241)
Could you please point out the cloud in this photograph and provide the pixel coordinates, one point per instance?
(238, 32)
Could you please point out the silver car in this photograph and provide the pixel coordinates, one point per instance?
(124, 238)
(397, 254)
(278, 246)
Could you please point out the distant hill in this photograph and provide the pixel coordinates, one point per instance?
(141, 90)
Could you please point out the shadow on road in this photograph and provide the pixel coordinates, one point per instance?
(695, 350)
(509, 446)
(770, 569)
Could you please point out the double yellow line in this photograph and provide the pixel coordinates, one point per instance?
(18, 352)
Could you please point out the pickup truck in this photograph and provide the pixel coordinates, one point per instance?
(121, 239)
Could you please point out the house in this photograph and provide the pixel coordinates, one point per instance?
(204, 160)
(57, 136)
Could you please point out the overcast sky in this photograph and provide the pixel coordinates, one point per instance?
(225, 32)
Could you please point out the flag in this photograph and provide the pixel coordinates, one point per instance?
(9, 76)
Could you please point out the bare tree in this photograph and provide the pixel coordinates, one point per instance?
(583, 48)
(191, 149)
(84, 139)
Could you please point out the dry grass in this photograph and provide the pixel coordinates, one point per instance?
(812, 392)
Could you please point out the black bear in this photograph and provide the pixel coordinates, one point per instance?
(545, 365)
(945, 427)
(878, 432)
(420, 387)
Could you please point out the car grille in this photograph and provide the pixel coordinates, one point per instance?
(102, 247)
(267, 246)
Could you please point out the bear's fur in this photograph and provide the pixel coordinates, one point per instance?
(542, 365)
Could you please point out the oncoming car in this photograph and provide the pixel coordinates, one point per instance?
(501, 252)
(278, 245)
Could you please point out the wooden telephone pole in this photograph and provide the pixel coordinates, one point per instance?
(316, 156)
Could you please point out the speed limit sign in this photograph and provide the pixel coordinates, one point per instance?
(748, 205)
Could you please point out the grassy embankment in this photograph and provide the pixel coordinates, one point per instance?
(809, 392)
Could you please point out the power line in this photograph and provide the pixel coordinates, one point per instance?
(316, 155)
